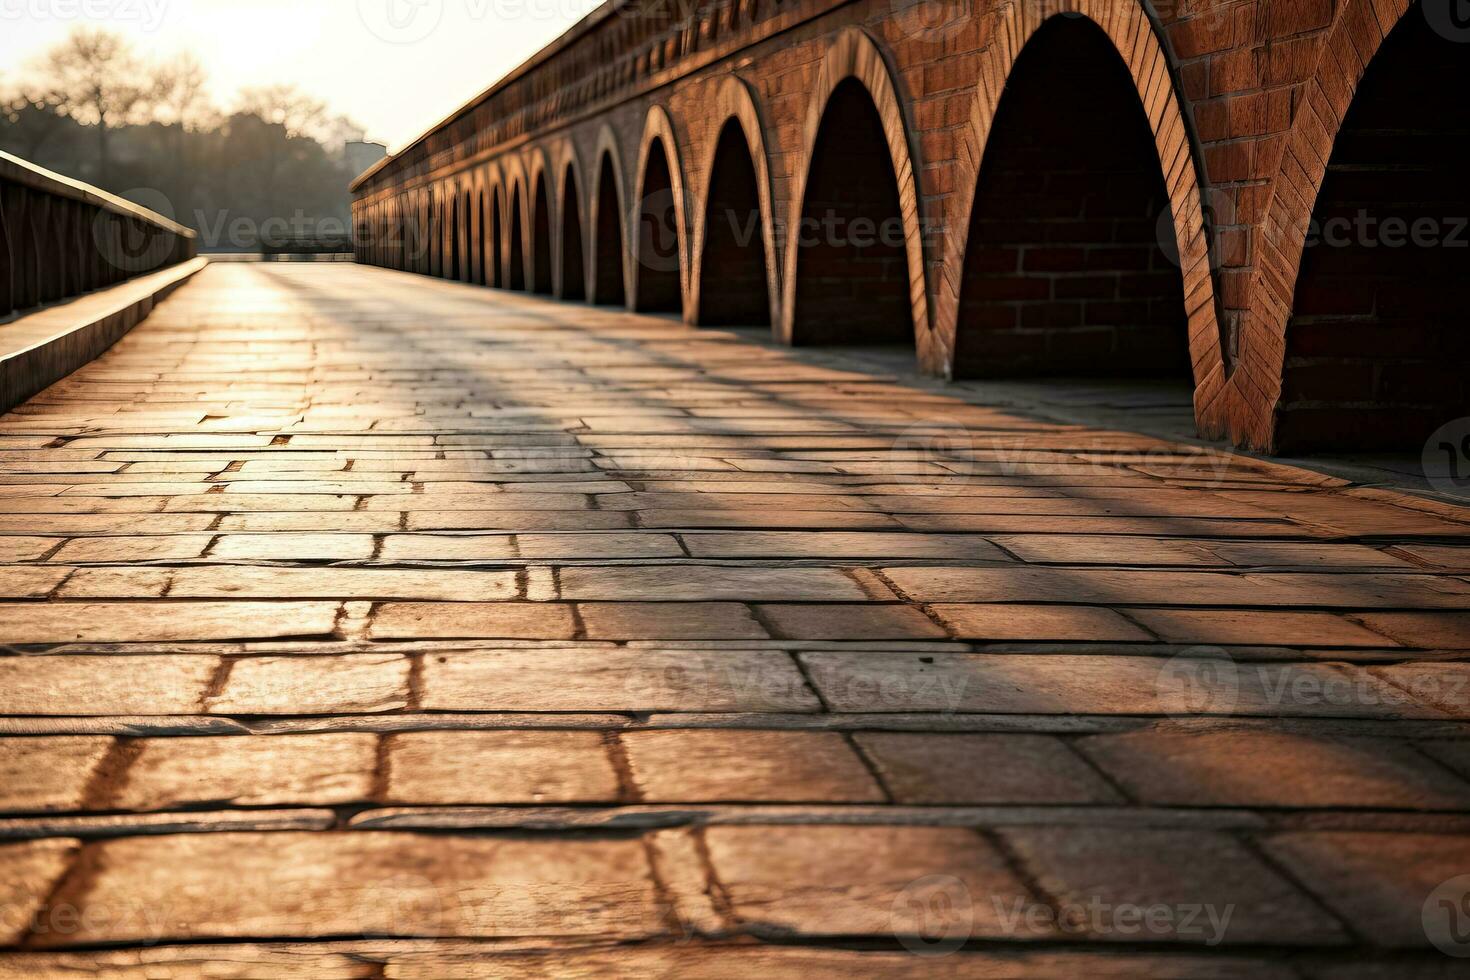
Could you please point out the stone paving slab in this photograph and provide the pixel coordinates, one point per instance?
(703, 961)
(502, 638)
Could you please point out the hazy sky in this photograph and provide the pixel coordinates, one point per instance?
(395, 66)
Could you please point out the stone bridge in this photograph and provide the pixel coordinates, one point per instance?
(1261, 198)
(358, 623)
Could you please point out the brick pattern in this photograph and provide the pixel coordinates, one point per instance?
(732, 287)
(1064, 271)
(1244, 100)
(553, 639)
(1376, 356)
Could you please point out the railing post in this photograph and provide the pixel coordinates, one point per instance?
(7, 257)
(27, 250)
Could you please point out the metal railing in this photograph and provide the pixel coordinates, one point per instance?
(61, 238)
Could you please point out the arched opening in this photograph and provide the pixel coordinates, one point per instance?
(1377, 352)
(732, 270)
(470, 267)
(540, 239)
(1071, 263)
(421, 236)
(497, 268)
(658, 237)
(517, 246)
(398, 244)
(852, 280)
(481, 256)
(452, 272)
(607, 286)
(573, 266)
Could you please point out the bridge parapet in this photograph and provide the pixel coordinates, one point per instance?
(60, 238)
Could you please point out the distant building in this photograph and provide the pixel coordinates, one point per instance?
(362, 154)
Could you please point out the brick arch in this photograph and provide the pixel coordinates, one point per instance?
(572, 186)
(658, 126)
(540, 241)
(449, 265)
(423, 228)
(435, 234)
(492, 184)
(444, 210)
(853, 54)
(607, 149)
(480, 201)
(514, 171)
(457, 239)
(1128, 26)
(734, 100)
(1244, 409)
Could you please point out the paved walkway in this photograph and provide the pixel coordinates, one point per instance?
(350, 609)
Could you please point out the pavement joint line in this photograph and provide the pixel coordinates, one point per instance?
(634, 446)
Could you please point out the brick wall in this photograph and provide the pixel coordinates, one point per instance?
(657, 229)
(1065, 272)
(1242, 99)
(733, 283)
(1378, 350)
(573, 262)
(608, 285)
(541, 239)
(517, 277)
(852, 275)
